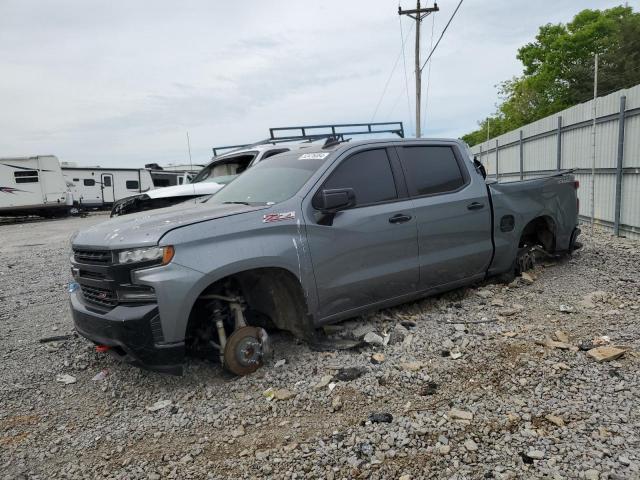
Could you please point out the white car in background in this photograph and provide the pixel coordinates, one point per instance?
(215, 175)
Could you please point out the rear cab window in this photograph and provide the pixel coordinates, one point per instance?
(369, 174)
(432, 169)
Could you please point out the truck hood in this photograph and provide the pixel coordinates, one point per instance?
(189, 189)
(147, 228)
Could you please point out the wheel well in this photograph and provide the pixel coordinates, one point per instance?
(539, 231)
(273, 298)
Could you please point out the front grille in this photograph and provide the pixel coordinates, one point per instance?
(99, 296)
(102, 257)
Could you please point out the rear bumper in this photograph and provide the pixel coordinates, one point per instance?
(129, 331)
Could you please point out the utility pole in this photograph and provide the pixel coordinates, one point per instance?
(593, 145)
(418, 15)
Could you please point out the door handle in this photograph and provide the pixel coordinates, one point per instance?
(475, 206)
(399, 218)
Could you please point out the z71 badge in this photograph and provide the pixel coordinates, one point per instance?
(278, 217)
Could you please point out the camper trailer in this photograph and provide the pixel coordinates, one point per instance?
(97, 187)
(33, 186)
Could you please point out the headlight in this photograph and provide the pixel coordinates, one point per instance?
(162, 255)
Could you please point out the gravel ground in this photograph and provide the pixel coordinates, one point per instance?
(463, 389)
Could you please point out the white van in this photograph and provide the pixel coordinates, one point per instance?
(97, 187)
(33, 186)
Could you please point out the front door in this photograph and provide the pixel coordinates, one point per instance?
(452, 211)
(107, 188)
(367, 253)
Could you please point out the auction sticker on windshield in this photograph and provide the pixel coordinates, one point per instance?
(313, 156)
(278, 217)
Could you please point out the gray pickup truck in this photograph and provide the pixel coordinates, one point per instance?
(304, 239)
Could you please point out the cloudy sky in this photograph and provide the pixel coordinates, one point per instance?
(120, 82)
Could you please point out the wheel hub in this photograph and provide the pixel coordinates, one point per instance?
(245, 350)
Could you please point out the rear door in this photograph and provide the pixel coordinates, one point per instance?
(106, 181)
(452, 212)
(367, 253)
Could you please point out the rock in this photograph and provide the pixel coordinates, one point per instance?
(405, 477)
(455, 354)
(535, 454)
(428, 389)
(283, 394)
(377, 358)
(349, 374)
(484, 293)
(605, 354)
(508, 312)
(153, 476)
(324, 381)
(566, 309)
(591, 474)
(373, 338)
(159, 405)
(459, 327)
(509, 334)
(456, 414)
(561, 336)
(557, 421)
(65, 378)
(380, 418)
(497, 302)
(336, 403)
(280, 363)
(528, 278)
(398, 334)
(186, 459)
(412, 366)
(470, 445)
(406, 343)
(238, 432)
(444, 449)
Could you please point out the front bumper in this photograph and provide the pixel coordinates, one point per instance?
(130, 331)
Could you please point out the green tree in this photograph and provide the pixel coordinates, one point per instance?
(558, 68)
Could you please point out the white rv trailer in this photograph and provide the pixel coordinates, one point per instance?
(171, 175)
(97, 187)
(33, 186)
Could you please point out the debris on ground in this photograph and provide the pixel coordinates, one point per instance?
(349, 374)
(382, 417)
(606, 354)
(65, 378)
(159, 405)
(101, 375)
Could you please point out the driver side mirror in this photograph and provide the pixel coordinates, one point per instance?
(334, 200)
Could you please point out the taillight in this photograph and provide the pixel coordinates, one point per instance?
(576, 184)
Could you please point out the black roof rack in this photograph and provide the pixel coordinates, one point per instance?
(312, 133)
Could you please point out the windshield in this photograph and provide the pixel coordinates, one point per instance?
(272, 181)
(232, 165)
(222, 180)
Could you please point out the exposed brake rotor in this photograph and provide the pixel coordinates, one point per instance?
(245, 350)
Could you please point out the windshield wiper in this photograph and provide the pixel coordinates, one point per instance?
(236, 203)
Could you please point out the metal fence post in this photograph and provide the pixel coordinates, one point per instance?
(619, 165)
(559, 144)
(497, 169)
(521, 157)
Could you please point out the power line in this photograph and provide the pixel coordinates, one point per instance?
(442, 35)
(386, 85)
